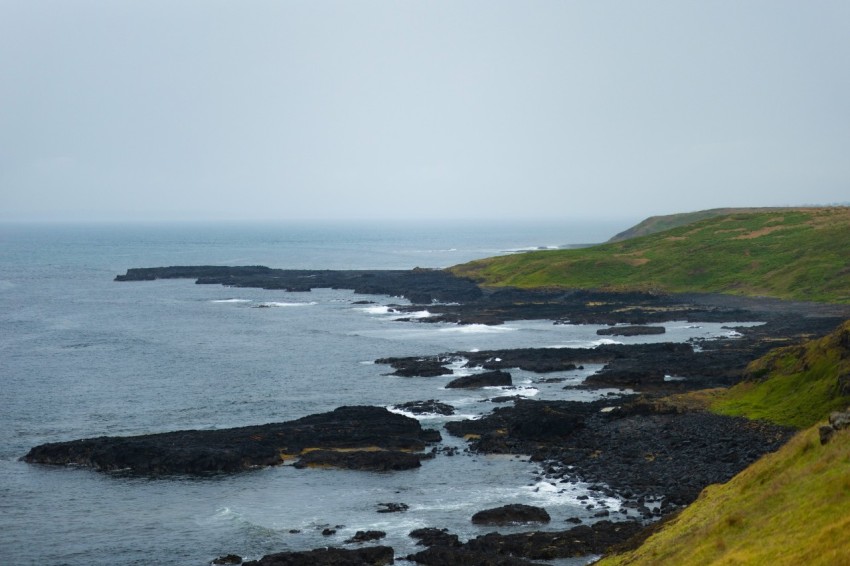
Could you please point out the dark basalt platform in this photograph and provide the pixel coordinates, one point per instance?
(638, 450)
(519, 548)
(422, 286)
(370, 556)
(370, 438)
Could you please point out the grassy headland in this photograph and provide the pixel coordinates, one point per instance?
(801, 254)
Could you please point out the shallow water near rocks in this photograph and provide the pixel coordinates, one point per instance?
(84, 356)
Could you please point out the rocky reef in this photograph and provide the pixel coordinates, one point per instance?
(423, 286)
(367, 438)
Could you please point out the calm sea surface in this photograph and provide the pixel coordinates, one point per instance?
(82, 356)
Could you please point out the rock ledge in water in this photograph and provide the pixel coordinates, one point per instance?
(516, 513)
(360, 437)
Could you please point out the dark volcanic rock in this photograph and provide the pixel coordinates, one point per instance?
(668, 453)
(636, 376)
(449, 556)
(578, 541)
(511, 514)
(371, 556)
(515, 429)
(631, 331)
(434, 537)
(422, 286)
(643, 448)
(228, 559)
(364, 460)
(417, 367)
(229, 450)
(429, 407)
(392, 507)
(366, 536)
(486, 379)
(519, 548)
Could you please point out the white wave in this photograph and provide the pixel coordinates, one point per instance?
(572, 493)
(377, 310)
(418, 417)
(586, 343)
(527, 391)
(477, 329)
(231, 301)
(417, 314)
(275, 304)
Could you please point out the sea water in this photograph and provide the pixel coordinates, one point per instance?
(83, 356)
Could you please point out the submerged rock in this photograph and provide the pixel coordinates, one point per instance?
(631, 331)
(392, 507)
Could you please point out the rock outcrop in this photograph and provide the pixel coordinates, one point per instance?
(512, 514)
(387, 436)
(838, 420)
(478, 380)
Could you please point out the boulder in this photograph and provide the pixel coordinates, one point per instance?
(366, 536)
(434, 537)
(512, 514)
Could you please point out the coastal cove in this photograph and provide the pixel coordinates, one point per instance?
(155, 356)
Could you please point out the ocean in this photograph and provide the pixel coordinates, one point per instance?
(82, 355)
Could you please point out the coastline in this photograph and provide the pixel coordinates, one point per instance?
(785, 323)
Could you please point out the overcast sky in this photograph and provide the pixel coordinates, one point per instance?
(212, 109)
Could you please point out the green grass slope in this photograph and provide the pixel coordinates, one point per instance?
(795, 386)
(788, 508)
(655, 224)
(801, 254)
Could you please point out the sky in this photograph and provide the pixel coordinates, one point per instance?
(150, 110)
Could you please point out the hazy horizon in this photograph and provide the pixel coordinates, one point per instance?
(271, 111)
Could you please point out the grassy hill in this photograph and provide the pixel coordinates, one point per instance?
(789, 507)
(795, 386)
(801, 254)
(655, 224)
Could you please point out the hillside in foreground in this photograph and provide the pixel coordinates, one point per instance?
(800, 254)
(794, 386)
(790, 506)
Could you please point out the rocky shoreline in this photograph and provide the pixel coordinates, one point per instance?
(655, 457)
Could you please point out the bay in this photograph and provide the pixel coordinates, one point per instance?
(82, 356)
